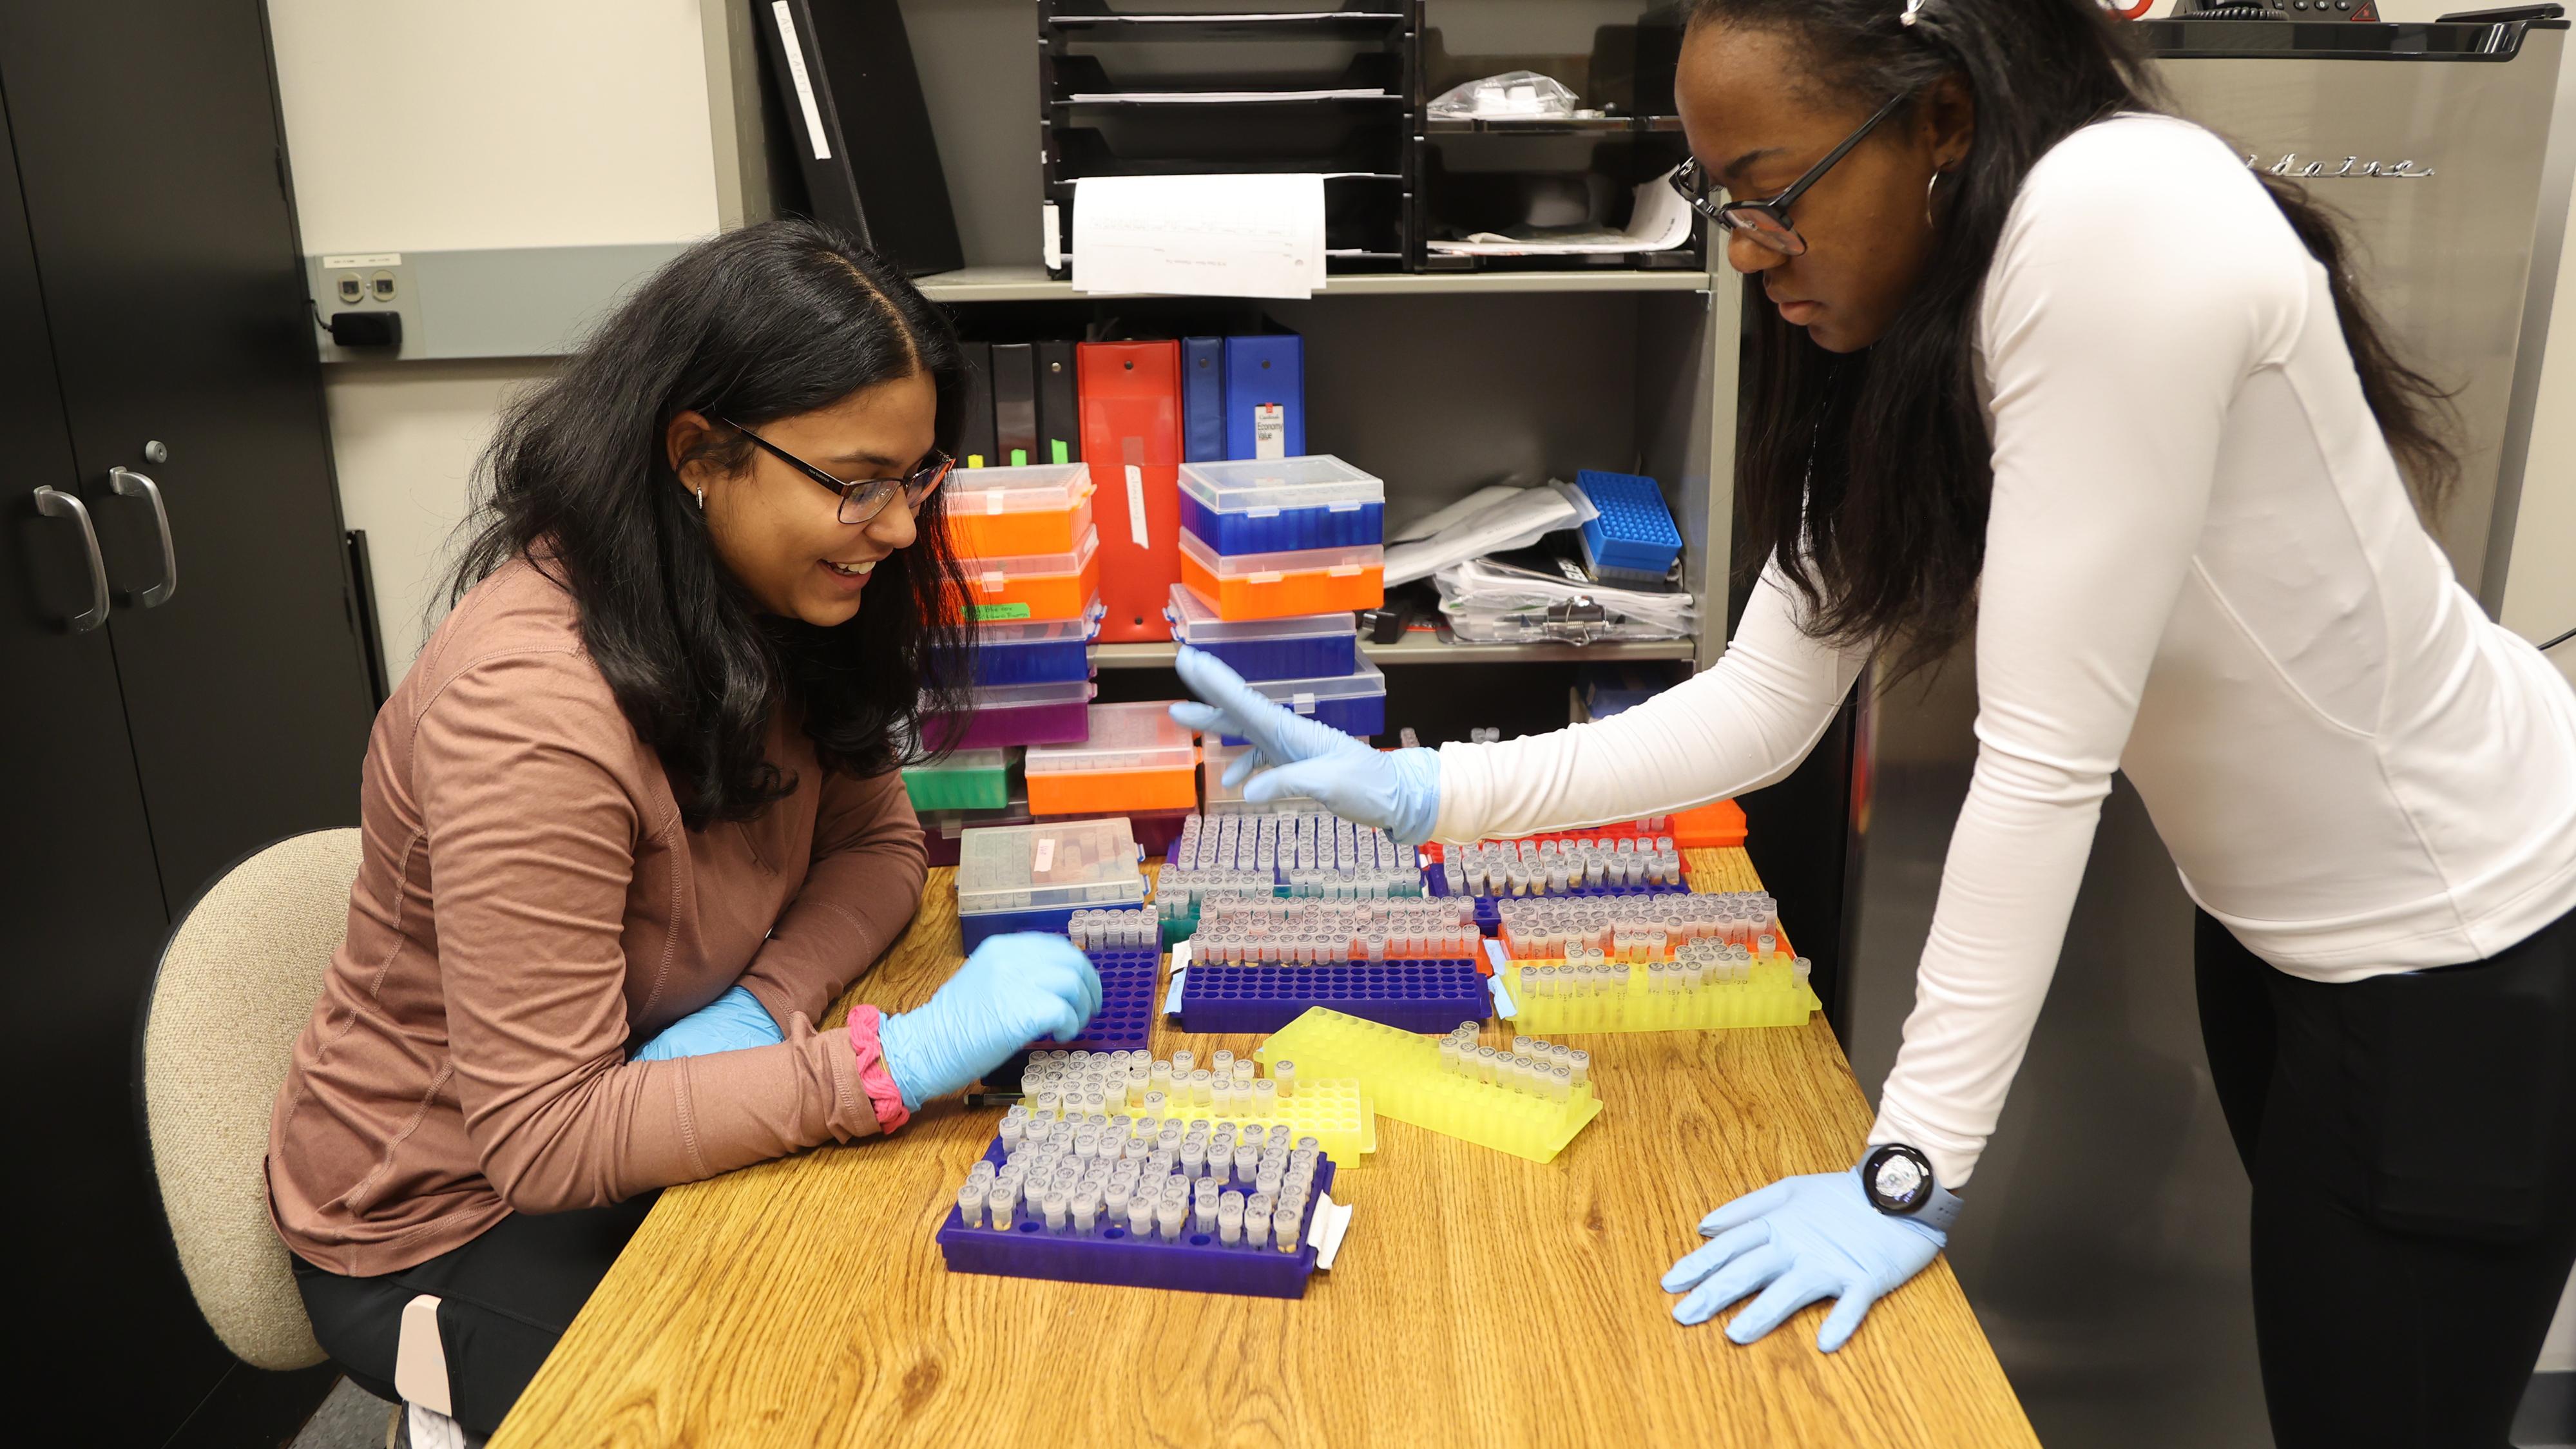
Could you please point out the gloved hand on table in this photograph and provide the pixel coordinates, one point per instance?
(732, 1022)
(1012, 991)
(1799, 1240)
(1397, 792)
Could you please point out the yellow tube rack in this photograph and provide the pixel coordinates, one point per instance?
(1328, 1109)
(1401, 1073)
(1773, 996)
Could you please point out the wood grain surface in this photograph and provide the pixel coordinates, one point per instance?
(1479, 1299)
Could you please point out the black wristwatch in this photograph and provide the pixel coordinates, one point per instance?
(1897, 1180)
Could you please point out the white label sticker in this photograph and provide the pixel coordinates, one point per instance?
(1042, 857)
(804, 82)
(358, 260)
(991, 581)
(1269, 430)
(1136, 507)
(992, 500)
(1302, 703)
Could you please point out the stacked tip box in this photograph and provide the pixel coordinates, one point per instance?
(1281, 537)
(1256, 965)
(1403, 1075)
(1309, 665)
(1027, 545)
(1633, 537)
(1034, 877)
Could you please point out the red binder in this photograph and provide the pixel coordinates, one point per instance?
(1131, 438)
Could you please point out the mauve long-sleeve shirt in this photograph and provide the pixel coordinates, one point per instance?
(530, 908)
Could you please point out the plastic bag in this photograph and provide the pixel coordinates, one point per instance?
(1487, 602)
(1513, 95)
(1515, 518)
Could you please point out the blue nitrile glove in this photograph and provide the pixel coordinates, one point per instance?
(730, 1023)
(1397, 792)
(1799, 1240)
(1012, 991)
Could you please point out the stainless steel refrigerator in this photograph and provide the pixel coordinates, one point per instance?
(2105, 1248)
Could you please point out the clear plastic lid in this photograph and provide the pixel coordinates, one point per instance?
(1015, 634)
(1047, 866)
(964, 760)
(1025, 696)
(1123, 737)
(1262, 487)
(1259, 566)
(1222, 801)
(992, 573)
(1045, 488)
(1301, 694)
(1195, 623)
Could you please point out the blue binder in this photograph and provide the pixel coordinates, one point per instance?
(1265, 396)
(1202, 399)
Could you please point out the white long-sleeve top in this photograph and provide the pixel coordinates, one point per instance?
(2201, 567)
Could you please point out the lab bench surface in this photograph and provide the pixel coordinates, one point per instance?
(1480, 1298)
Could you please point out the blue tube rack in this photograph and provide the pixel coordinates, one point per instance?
(1489, 918)
(1409, 995)
(1125, 1020)
(1286, 531)
(1194, 1263)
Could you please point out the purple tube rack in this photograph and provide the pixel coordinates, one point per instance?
(1125, 1020)
(1409, 995)
(1196, 1263)
(996, 729)
(1489, 916)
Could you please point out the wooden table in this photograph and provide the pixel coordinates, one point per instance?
(1479, 1299)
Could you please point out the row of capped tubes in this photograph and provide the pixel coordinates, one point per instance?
(1319, 948)
(1532, 1066)
(1132, 929)
(1059, 1084)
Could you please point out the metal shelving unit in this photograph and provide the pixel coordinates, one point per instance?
(1014, 283)
(1425, 649)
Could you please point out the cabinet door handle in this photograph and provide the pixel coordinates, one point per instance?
(126, 483)
(55, 503)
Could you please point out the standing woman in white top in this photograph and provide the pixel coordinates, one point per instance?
(2049, 370)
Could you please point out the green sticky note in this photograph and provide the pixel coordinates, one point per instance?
(999, 613)
(1063, 454)
(1019, 457)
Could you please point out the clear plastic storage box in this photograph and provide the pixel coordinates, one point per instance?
(1137, 758)
(1307, 647)
(1034, 877)
(1353, 703)
(1006, 512)
(1216, 799)
(1284, 585)
(1054, 651)
(966, 780)
(1035, 587)
(1279, 505)
(1016, 714)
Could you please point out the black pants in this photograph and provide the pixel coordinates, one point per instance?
(2412, 1141)
(505, 1298)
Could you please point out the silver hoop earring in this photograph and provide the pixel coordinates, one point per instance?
(1930, 189)
(702, 498)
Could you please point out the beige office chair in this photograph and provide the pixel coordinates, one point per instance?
(235, 986)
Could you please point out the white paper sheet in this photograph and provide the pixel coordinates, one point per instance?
(1660, 222)
(1203, 236)
(1213, 98)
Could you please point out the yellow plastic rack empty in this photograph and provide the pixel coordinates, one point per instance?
(1401, 1074)
(1774, 996)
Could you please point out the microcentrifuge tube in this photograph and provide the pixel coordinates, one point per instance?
(1265, 1097)
(1171, 1216)
(1086, 1209)
(1004, 1200)
(1182, 1062)
(970, 1203)
(1579, 1065)
(1203, 1215)
(1285, 1074)
(1140, 1216)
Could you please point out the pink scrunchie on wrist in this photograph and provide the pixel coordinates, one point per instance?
(883, 1094)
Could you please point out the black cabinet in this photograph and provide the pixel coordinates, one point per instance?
(151, 293)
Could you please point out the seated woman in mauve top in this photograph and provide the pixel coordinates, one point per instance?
(632, 820)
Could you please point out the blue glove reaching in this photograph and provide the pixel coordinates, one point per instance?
(1398, 793)
(1012, 991)
(732, 1022)
(1799, 1240)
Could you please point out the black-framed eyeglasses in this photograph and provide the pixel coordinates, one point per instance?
(865, 498)
(1767, 222)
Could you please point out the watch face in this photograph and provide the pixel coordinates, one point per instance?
(1898, 1179)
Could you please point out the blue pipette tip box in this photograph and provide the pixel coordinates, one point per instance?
(1634, 533)
(1410, 995)
(1193, 1263)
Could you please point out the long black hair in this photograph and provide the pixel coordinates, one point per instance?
(754, 325)
(1868, 476)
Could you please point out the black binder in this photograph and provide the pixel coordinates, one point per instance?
(1015, 404)
(1059, 405)
(860, 128)
(975, 443)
